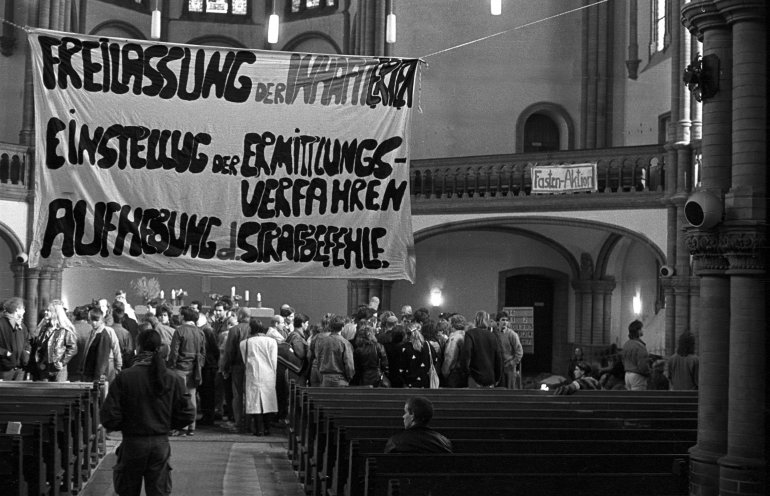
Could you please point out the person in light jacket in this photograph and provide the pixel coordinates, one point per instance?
(260, 354)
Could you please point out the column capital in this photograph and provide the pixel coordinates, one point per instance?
(702, 16)
(745, 247)
(703, 245)
(741, 10)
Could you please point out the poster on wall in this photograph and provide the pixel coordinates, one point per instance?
(572, 178)
(154, 156)
(523, 322)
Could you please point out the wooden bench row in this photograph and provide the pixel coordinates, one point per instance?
(60, 431)
(336, 449)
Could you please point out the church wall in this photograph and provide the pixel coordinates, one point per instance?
(12, 79)
(465, 266)
(472, 96)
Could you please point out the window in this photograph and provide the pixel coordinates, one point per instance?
(219, 7)
(660, 36)
(310, 8)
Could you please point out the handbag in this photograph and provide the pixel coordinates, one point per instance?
(288, 359)
(384, 382)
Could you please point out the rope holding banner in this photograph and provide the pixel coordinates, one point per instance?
(26, 29)
(516, 28)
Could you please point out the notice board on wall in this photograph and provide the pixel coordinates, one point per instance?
(523, 322)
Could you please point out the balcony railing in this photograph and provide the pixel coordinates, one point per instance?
(627, 176)
(623, 173)
(15, 173)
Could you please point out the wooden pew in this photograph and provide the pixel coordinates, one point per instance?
(505, 484)
(67, 441)
(12, 465)
(34, 465)
(302, 398)
(634, 474)
(325, 457)
(307, 400)
(78, 403)
(90, 394)
(54, 472)
(320, 415)
(76, 406)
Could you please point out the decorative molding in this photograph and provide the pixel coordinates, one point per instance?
(733, 250)
(704, 247)
(745, 249)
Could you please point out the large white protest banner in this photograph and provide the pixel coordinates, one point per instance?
(163, 157)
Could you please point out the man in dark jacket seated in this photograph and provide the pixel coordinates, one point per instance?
(417, 437)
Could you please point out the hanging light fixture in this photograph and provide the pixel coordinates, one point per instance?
(155, 26)
(390, 25)
(496, 7)
(273, 25)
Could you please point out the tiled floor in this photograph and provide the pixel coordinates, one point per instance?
(216, 462)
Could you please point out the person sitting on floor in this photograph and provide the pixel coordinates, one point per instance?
(583, 380)
(417, 437)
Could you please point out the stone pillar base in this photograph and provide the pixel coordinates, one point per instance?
(704, 472)
(742, 476)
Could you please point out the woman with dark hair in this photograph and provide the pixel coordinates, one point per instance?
(145, 402)
(414, 359)
(260, 354)
(636, 358)
(682, 366)
(369, 357)
(583, 380)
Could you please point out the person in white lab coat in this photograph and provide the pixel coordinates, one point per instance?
(260, 354)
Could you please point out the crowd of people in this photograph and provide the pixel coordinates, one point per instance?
(238, 368)
(633, 368)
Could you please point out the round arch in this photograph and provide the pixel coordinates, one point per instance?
(311, 36)
(615, 232)
(131, 31)
(216, 40)
(10, 238)
(554, 111)
(487, 226)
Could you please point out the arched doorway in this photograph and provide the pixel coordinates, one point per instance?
(536, 292)
(541, 134)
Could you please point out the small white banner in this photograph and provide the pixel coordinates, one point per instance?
(564, 178)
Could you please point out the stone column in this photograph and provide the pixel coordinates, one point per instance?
(713, 342)
(18, 279)
(44, 287)
(602, 296)
(708, 24)
(30, 299)
(583, 311)
(743, 470)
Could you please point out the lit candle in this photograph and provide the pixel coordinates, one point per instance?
(259, 296)
(232, 291)
(173, 294)
(162, 294)
(246, 295)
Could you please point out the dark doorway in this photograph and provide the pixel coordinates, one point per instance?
(537, 292)
(541, 134)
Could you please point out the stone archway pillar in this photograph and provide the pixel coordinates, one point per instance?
(714, 341)
(361, 291)
(32, 277)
